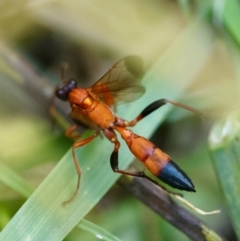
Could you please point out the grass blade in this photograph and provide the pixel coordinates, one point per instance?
(13, 180)
(224, 143)
(99, 232)
(231, 18)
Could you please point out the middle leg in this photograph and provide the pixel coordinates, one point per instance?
(74, 146)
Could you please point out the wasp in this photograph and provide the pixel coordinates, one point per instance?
(95, 105)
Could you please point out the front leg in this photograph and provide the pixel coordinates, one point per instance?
(70, 132)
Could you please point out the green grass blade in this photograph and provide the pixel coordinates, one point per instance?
(43, 217)
(99, 232)
(224, 142)
(231, 18)
(13, 180)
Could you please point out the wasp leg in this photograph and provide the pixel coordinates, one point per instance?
(74, 146)
(154, 106)
(114, 165)
(70, 132)
(111, 135)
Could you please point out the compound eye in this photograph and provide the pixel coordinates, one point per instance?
(62, 93)
(72, 84)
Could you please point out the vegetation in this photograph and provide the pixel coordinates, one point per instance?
(191, 51)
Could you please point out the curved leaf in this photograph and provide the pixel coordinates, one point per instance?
(224, 143)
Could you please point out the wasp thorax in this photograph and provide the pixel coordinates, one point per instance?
(77, 96)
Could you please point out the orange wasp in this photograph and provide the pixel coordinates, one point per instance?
(120, 84)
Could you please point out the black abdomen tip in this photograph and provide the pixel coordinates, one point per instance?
(176, 177)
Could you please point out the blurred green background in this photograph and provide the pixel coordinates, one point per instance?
(197, 41)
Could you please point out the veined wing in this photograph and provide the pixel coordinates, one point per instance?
(121, 83)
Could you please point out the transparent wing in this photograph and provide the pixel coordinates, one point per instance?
(121, 83)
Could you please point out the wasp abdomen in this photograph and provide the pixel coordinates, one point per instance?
(176, 177)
